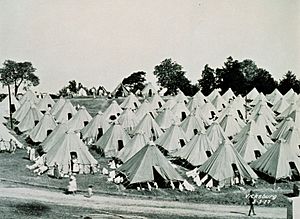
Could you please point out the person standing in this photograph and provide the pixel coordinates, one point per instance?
(72, 187)
(251, 202)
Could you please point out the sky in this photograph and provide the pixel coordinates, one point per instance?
(101, 42)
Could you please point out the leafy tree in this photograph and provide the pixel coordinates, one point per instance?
(231, 76)
(21, 73)
(136, 81)
(171, 76)
(63, 92)
(208, 81)
(72, 86)
(289, 81)
(263, 81)
(14, 74)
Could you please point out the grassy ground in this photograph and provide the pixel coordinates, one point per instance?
(13, 169)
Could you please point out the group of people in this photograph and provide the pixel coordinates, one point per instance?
(8, 146)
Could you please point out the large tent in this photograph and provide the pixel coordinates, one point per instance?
(29, 96)
(172, 139)
(149, 165)
(249, 147)
(80, 119)
(44, 127)
(66, 112)
(277, 161)
(61, 152)
(196, 151)
(192, 125)
(113, 111)
(131, 102)
(226, 164)
(149, 127)
(45, 104)
(30, 120)
(113, 140)
(128, 120)
(95, 129)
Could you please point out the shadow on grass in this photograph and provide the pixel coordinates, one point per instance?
(33, 209)
(236, 212)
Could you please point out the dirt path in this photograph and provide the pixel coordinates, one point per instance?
(130, 206)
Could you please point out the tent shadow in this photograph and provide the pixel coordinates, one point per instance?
(236, 212)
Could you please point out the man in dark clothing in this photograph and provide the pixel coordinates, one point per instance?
(251, 202)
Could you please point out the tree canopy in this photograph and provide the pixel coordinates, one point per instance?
(136, 81)
(17, 74)
(289, 81)
(208, 81)
(170, 75)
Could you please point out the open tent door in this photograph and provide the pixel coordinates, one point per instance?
(182, 142)
(208, 153)
(260, 139)
(294, 171)
(236, 173)
(240, 114)
(112, 117)
(257, 154)
(69, 116)
(100, 133)
(183, 116)
(268, 130)
(195, 131)
(13, 108)
(159, 104)
(120, 145)
(85, 123)
(150, 93)
(49, 132)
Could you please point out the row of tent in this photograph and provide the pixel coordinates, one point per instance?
(221, 134)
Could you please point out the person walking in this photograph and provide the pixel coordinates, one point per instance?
(251, 202)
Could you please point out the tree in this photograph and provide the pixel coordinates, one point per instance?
(136, 81)
(171, 76)
(263, 81)
(289, 81)
(72, 86)
(21, 73)
(207, 82)
(15, 74)
(231, 76)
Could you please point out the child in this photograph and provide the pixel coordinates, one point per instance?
(90, 191)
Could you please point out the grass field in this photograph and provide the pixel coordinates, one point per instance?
(14, 172)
